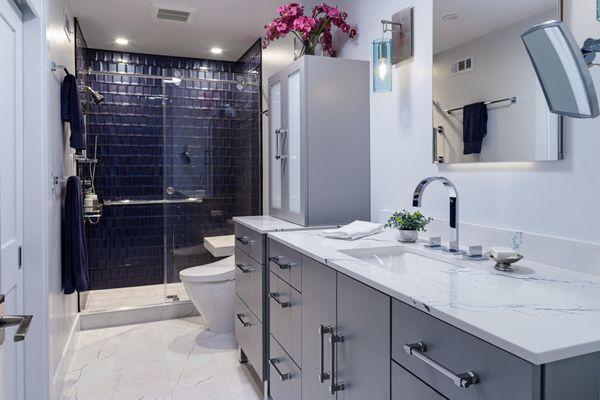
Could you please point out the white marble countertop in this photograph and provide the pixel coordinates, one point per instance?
(540, 313)
(266, 224)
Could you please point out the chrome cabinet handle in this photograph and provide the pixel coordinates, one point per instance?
(282, 304)
(279, 144)
(277, 153)
(243, 240)
(23, 321)
(335, 386)
(282, 376)
(245, 324)
(463, 380)
(277, 261)
(244, 268)
(323, 330)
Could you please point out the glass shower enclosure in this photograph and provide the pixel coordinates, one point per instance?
(179, 156)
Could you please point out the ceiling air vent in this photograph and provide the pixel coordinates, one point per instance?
(173, 15)
(463, 65)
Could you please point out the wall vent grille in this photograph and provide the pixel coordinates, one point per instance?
(463, 65)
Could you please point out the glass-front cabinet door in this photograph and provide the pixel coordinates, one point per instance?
(293, 148)
(276, 133)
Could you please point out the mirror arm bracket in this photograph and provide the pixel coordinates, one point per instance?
(589, 50)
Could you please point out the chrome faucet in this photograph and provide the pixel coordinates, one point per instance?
(453, 246)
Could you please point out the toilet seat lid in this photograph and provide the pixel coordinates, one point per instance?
(219, 271)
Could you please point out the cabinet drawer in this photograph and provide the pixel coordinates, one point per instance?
(249, 334)
(405, 386)
(285, 305)
(286, 263)
(249, 282)
(285, 382)
(501, 375)
(251, 242)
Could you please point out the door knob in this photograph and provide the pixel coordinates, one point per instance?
(22, 321)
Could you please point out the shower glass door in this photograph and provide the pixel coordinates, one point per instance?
(193, 208)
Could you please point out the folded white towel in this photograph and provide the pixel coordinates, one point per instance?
(353, 231)
(503, 252)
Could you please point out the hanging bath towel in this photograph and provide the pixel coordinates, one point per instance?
(475, 119)
(74, 255)
(70, 111)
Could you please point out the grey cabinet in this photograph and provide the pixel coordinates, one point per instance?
(319, 161)
(501, 375)
(345, 337)
(249, 334)
(285, 320)
(286, 376)
(363, 357)
(251, 283)
(319, 284)
(406, 386)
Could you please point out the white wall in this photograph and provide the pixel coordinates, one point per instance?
(501, 70)
(555, 198)
(62, 308)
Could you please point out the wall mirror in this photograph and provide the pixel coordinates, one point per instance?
(488, 105)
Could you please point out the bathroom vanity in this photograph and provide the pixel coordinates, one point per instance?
(375, 319)
(251, 288)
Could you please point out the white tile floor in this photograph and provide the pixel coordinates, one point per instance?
(112, 299)
(166, 360)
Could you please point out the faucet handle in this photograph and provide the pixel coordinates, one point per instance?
(475, 251)
(475, 254)
(434, 242)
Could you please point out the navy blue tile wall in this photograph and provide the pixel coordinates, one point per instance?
(201, 137)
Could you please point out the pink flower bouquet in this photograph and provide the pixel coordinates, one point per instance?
(310, 30)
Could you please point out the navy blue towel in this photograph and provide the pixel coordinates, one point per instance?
(475, 118)
(70, 111)
(74, 254)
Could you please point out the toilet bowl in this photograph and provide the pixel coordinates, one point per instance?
(211, 289)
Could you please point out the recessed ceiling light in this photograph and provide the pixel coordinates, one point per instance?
(121, 41)
(450, 17)
(216, 50)
(204, 68)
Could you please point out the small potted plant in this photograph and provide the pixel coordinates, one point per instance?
(408, 225)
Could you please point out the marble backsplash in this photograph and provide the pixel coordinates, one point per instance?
(560, 252)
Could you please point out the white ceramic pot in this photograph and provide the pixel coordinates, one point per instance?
(407, 236)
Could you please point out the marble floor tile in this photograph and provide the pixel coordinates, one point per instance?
(165, 360)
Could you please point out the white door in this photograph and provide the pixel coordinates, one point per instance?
(11, 196)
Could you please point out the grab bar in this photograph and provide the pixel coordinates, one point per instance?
(127, 202)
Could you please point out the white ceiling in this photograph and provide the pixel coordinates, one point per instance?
(233, 25)
(479, 17)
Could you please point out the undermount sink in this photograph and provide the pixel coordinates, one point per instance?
(396, 259)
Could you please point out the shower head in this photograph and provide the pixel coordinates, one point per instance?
(98, 98)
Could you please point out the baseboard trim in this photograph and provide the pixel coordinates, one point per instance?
(58, 380)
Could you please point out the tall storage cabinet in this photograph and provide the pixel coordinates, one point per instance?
(319, 153)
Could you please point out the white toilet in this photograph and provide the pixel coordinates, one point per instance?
(211, 289)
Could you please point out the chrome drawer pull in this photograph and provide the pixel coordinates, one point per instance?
(245, 240)
(282, 304)
(244, 268)
(275, 260)
(323, 330)
(463, 380)
(245, 324)
(282, 376)
(335, 386)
